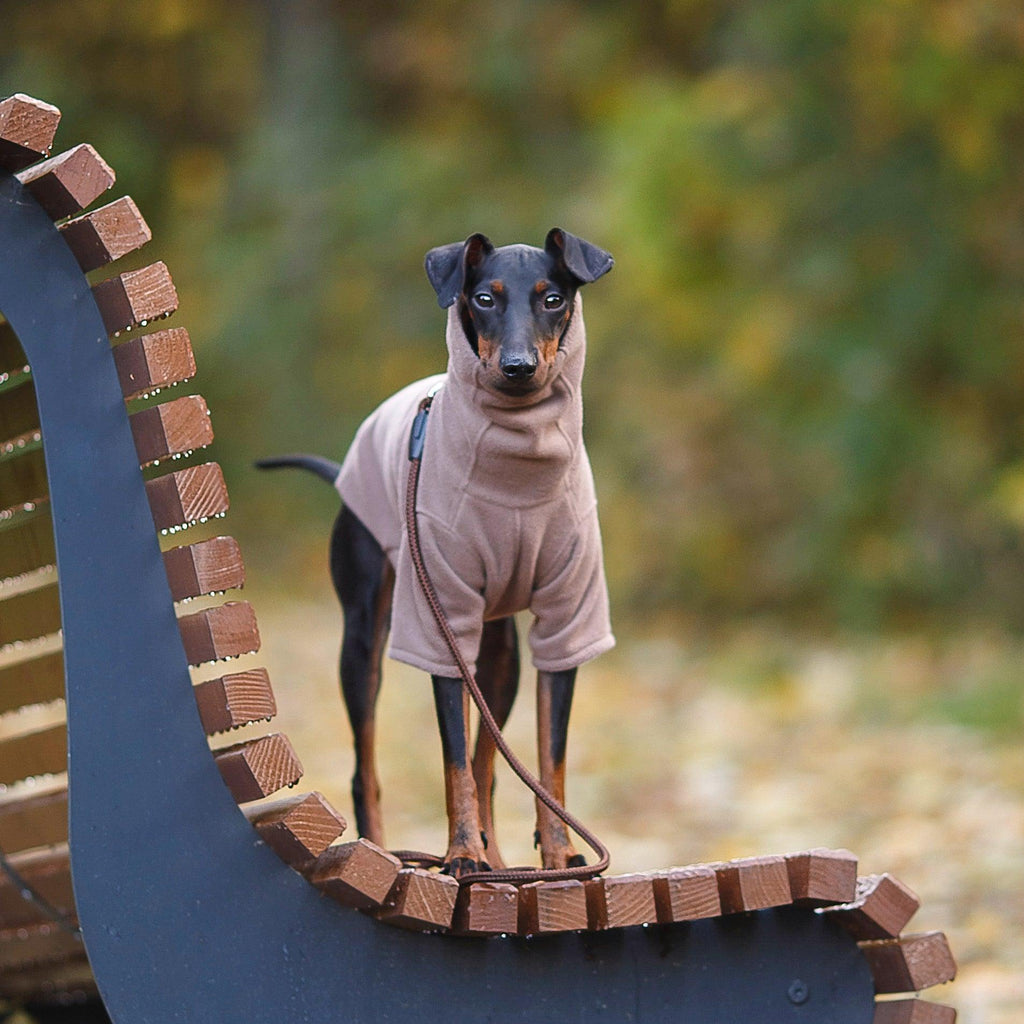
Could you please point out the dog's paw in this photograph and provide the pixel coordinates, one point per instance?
(459, 866)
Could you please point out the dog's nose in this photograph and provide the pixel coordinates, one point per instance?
(519, 367)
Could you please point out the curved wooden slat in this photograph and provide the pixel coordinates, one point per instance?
(70, 182)
(235, 699)
(257, 768)
(135, 298)
(298, 828)
(154, 361)
(27, 128)
(910, 963)
(106, 234)
(172, 429)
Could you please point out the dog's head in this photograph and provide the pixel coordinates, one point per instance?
(515, 302)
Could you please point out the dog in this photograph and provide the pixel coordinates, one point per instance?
(507, 521)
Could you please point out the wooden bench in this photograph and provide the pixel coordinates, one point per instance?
(159, 895)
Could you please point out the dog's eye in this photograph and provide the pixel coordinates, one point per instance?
(554, 301)
(484, 300)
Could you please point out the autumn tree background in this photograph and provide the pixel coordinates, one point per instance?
(805, 387)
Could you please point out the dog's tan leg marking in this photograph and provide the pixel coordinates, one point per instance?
(556, 847)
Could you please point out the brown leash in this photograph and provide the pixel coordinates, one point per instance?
(513, 875)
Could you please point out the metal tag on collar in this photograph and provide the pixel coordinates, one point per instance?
(418, 434)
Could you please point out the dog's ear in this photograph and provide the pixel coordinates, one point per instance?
(584, 261)
(446, 266)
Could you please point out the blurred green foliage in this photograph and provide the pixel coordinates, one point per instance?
(806, 378)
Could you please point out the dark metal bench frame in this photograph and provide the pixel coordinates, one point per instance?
(186, 915)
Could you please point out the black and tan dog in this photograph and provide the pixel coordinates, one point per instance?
(507, 520)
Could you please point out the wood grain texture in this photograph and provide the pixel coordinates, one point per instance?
(69, 182)
(235, 699)
(34, 815)
(171, 429)
(106, 234)
(38, 679)
(911, 963)
(686, 894)
(552, 907)
(150, 362)
(27, 128)
(298, 828)
(207, 567)
(620, 901)
(881, 909)
(913, 1011)
(42, 751)
(420, 900)
(357, 874)
(486, 908)
(48, 873)
(29, 615)
(214, 634)
(187, 497)
(753, 883)
(260, 767)
(136, 297)
(821, 877)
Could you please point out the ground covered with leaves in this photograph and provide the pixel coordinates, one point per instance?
(904, 751)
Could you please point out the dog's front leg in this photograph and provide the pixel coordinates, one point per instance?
(554, 702)
(465, 843)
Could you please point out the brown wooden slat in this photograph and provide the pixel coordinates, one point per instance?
(298, 828)
(235, 699)
(106, 234)
(620, 901)
(911, 963)
(881, 909)
(34, 815)
(37, 944)
(207, 567)
(27, 128)
(68, 182)
(187, 497)
(136, 297)
(822, 877)
(33, 614)
(227, 631)
(26, 538)
(420, 900)
(753, 883)
(686, 894)
(913, 1011)
(486, 908)
(22, 466)
(357, 874)
(18, 410)
(257, 768)
(153, 361)
(33, 681)
(552, 907)
(171, 429)
(48, 873)
(42, 751)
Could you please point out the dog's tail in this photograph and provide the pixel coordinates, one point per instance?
(324, 468)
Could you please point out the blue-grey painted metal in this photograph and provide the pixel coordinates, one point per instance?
(186, 915)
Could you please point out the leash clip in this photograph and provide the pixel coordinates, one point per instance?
(418, 434)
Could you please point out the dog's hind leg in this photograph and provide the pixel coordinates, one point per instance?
(364, 581)
(554, 702)
(498, 678)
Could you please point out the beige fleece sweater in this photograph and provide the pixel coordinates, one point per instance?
(507, 512)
